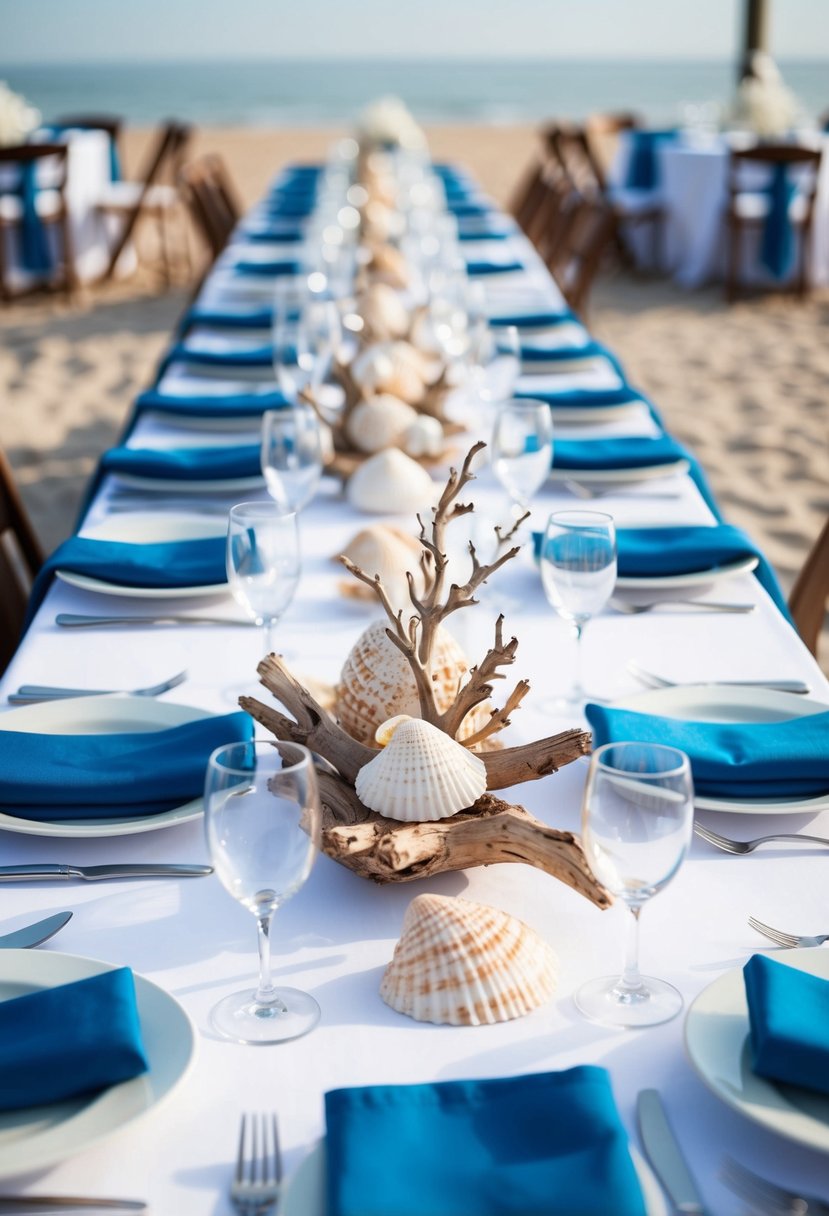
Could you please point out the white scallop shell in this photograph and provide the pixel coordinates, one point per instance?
(391, 483)
(389, 553)
(421, 774)
(466, 964)
(383, 311)
(423, 437)
(377, 683)
(380, 422)
(391, 367)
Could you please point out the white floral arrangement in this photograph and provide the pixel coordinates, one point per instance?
(764, 104)
(17, 118)
(388, 122)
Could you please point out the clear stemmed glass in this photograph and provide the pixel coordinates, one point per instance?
(263, 820)
(578, 571)
(291, 455)
(637, 820)
(522, 449)
(304, 346)
(263, 563)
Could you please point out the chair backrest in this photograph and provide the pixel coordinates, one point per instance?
(807, 602)
(600, 135)
(20, 559)
(589, 232)
(553, 215)
(211, 198)
(771, 155)
(525, 198)
(570, 148)
(164, 156)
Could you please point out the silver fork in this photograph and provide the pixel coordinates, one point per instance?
(703, 605)
(655, 681)
(748, 846)
(771, 1199)
(27, 693)
(255, 1188)
(789, 940)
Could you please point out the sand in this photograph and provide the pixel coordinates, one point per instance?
(746, 386)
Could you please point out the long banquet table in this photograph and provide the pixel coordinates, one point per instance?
(336, 936)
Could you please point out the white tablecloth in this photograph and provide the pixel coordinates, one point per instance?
(335, 937)
(87, 172)
(693, 190)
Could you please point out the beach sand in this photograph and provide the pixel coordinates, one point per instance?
(747, 387)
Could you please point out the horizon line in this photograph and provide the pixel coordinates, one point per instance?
(417, 58)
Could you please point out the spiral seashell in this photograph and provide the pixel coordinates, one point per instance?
(384, 314)
(421, 774)
(376, 683)
(391, 483)
(465, 964)
(423, 437)
(389, 553)
(380, 422)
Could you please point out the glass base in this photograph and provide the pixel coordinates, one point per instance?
(606, 1001)
(239, 1018)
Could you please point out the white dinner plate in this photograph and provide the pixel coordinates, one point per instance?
(305, 1192)
(720, 703)
(38, 1137)
(106, 715)
(699, 580)
(717, 1043)
(147, 528)
(612, 477)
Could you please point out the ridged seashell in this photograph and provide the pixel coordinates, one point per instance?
(380, 422)
(466, 964)
(388, 265)
(390, 553)
(391, 483)
(376, 683)
(423, 437)
(385, 315)
(422, 774)
(391, 367)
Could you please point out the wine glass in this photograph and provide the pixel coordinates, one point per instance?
(291, 455)
(522, 449)
(263, 821)
(637, 820)
(263, 564)
(578, 571)
(304, 346)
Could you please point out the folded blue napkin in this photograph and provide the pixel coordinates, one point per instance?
(777, 242)
(565, 354)
(276, 236)
(210, 405)
(481, 267)
(643, 166)
(601, 398)
(532, 320)
(512, 1146)
(461, 209)
(168, 564)
(73, 1039)
(484, 234)
(254, 356)
(788, 1013)
(64, 777)
(622, 452)
(287, 207)
(185, 464)
(231, 318)
(274, 269)
(732, 760)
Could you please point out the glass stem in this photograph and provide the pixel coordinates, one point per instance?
(265, 993)
(631, 979)
(267, 635)
(578, 688)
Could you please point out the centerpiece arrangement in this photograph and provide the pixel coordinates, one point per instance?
(409, 761)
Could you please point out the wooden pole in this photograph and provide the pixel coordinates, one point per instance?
(757, 16)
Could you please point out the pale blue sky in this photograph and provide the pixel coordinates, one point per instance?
(60, 31)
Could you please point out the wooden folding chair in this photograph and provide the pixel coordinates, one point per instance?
(528, 193)
(807, 602)
(128, 201)
(211, 199)
(589, 233)
(747, 208)
(51, 208)
(20, 559)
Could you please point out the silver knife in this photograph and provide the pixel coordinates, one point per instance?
(33, 935)
(665, 1155)
(76, 621)
(49, 871)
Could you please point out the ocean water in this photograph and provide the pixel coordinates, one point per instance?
(319, 92)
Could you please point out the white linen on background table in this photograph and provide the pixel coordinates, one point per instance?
(335, 937)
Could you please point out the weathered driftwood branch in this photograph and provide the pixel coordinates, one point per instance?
(491, 831)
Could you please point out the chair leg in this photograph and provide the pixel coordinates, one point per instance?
(163, 239)
(732, 269)
(70, 277)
